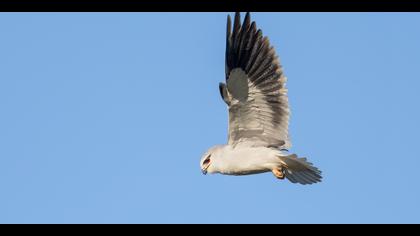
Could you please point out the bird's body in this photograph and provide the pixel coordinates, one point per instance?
(244, 159)
(256, 95)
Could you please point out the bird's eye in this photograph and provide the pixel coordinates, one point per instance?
(207, 161)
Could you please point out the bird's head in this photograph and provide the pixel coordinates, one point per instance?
(209, 159)
(205, 163)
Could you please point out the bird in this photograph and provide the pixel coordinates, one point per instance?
(258, 108)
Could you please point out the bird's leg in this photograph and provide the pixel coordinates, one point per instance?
(278, 172)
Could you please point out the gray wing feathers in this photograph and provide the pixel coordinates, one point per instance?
(255, 87)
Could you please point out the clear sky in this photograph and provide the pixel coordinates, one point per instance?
(104, 118)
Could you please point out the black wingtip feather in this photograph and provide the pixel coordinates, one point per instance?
(243, 41)
(237, 23)
(247, 20)
(228, 27)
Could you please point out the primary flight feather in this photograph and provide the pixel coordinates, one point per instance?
(256, 96)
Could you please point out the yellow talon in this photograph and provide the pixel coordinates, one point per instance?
(278, 172)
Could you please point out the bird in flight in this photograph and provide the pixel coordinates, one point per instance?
(256, 96)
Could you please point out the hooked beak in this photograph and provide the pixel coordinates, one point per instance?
(205, 166)
(204, 169)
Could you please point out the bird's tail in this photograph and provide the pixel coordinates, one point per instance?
(299, 170)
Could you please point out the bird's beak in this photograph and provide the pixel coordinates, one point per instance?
(205, 167)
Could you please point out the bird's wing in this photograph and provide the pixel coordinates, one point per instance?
(255, 88)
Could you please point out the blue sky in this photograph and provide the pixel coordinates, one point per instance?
(104, 118)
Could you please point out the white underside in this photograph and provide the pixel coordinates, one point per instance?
(245, 160)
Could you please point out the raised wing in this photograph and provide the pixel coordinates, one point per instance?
(255, 88)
